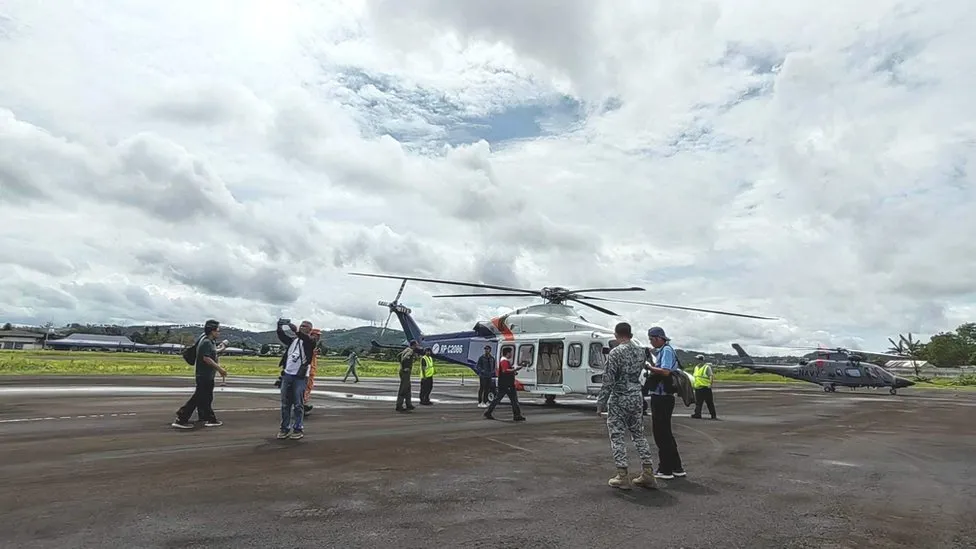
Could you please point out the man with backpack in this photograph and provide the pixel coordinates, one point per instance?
(203, 356)
(662, 405)
(299, 350)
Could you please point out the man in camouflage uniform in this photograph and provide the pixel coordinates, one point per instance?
(621, 397)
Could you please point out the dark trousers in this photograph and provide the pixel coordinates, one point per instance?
(426, 386)
(403, 393)
(704, 396)
(201, 400)
(504, 390)
(484, 389)
(662, 407)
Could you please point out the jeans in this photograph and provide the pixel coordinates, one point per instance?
(484, 389)
(292, 403)
(201, 400)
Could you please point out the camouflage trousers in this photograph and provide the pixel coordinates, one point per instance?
(625, 414)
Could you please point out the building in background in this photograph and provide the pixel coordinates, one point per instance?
(18, 340)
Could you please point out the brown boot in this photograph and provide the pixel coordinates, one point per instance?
(646, 478)
(621, 480)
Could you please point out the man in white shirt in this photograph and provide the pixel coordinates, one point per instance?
(297, 362)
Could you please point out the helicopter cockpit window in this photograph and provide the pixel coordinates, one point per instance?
(526, 355)
(871, 373)
(853, 372)
(596, 356)
(575, 358)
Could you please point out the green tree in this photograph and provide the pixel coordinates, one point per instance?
(909, 347)
(967, 332)
(946, 350)
(8, 326)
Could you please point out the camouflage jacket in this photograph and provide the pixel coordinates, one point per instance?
(622, 373)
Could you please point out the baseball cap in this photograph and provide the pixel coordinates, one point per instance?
(658, 331)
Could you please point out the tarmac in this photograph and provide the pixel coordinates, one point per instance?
(93, 462)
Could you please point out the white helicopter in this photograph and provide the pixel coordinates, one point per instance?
(563, 353)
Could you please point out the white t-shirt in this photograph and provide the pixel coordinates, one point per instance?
(295, 354)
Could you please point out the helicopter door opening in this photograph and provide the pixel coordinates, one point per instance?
(550, 370)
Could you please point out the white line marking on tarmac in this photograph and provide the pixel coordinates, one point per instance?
(509, 445)
(89, 416)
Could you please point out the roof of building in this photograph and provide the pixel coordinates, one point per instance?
(20, 333)
(99, 338)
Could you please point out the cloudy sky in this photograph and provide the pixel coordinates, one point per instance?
(809, 160)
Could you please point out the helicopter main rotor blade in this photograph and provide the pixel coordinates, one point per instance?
(536, 294)
(448, 282)
(712, 311)
(585, 290)
(597, 307)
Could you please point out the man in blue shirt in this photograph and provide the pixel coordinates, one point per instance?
(662, 406)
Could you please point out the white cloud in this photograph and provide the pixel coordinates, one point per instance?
(178, 161)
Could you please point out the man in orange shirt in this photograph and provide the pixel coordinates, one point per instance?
(315, 333)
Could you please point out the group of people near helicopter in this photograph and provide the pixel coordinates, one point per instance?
(629, 375)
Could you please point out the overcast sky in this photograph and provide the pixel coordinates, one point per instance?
(176, 161)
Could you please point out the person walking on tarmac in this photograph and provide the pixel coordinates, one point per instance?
(407, 357)
(484, 369)
(704, 377)
(426, 377)
(506, 386)
(662, 406)
(621, 397)
(353, 361)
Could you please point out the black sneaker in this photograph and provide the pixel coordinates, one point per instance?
(518, 418)
(488, 416)
(179, 424)
(297, 434)
(213, 423)
(680, 473)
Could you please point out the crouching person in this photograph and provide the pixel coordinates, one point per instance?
(297, 364)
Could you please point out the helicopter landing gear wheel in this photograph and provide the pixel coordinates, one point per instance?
(826, 388)
(893, 391)
(550, 400)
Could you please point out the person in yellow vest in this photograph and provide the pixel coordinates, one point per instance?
(704, 376)
(426, 377)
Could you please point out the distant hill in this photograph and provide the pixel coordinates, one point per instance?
(357, 339)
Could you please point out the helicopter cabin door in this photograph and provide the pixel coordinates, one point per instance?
(549, 372)
(577, 371)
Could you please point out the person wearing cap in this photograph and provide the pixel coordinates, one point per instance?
(426, 377)
(316, 335)
(206, 368)
(407, 357)
(662, 405)
(297, 362)
(703, 379)
(485, 368)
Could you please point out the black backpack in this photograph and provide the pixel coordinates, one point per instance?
(190, 353)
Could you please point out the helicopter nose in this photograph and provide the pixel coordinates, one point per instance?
(902, 383)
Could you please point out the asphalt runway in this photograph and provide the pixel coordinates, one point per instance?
(93, 462)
